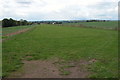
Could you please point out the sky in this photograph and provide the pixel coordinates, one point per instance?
(34, 10)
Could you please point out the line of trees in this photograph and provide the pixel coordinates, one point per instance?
(47, 22)
(96, 20)
(11, 22)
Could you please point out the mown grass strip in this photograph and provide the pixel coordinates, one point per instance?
(67, 43)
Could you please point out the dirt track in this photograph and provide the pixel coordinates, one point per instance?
(51, 69)
(18, 32)
(15, 33)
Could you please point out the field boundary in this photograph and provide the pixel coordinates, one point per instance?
(83, 26)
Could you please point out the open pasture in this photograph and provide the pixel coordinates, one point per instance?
(13, 29)
(66, 43)
(101, 25)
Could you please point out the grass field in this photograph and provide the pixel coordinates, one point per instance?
(0, 52)
(13, 29)
(67, 43)
(105, 25)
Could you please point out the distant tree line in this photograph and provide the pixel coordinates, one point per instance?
(47, 22)
(11, 22)
(70, 21)
(96, 20)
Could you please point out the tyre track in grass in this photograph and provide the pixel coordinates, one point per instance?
(15, 33)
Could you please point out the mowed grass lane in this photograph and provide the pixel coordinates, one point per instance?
(68, 43)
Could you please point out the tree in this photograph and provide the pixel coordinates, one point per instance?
(11, 22)
(5, 23)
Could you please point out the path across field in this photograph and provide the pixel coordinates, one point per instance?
(68, 44)
(52, 69)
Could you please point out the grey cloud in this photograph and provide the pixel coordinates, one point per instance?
(73, 11)
(24, 2)
(103, 5)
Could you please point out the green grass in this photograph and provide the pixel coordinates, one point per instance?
(67, 43)
(106, 25)
(13, 29)
(0, 33)
(64, 72)
(0, 53)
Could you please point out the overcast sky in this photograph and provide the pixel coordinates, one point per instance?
(59, 9)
